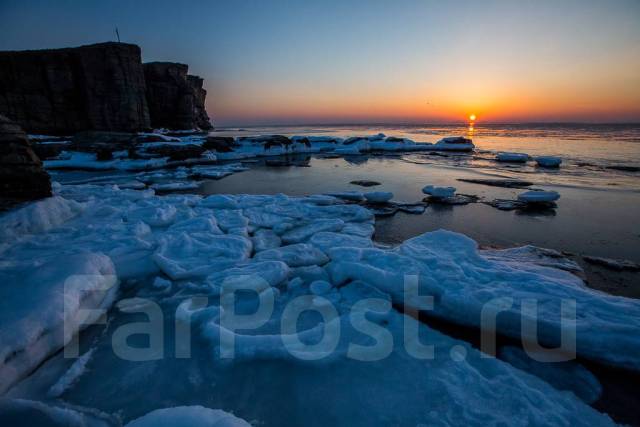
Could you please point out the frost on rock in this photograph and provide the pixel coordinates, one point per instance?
(188, 416)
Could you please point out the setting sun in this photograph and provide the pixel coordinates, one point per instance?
(472, 117)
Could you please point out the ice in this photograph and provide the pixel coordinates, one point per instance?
(264, 239)
(449, 267)
(320, 287)
(298, 255)
(127, 232)
(570, 375)
(185, 255)
(73, 373)
(327, 240)
(536, 196)
(439, 192)
(512, 157)
(303, 233)
(50, 307)
(361, 229)
(21, 412)
(37, 217)
(175, 186)
(378, 196)
(355, 196)
(188, 416)
(549, 161)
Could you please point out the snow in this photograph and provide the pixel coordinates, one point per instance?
(535, 196)
(439, 192)
(378, 196)
(188, 416)
(548, 161)
(512, 157)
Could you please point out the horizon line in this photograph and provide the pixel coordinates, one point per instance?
(460, 123)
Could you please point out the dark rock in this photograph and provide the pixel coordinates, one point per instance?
(506, 183)
(624, 168)
(176, 99)
(21, 174)
(176, 151)
(365, 183)
(63, 91)
(458, 199)
(221, 144)
(49, 151)
(101, 141)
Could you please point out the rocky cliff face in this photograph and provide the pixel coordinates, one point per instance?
(102, 87)
(176, 99)
(21, 174)
(62, 91)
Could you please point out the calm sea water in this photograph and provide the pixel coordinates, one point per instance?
(597, 214)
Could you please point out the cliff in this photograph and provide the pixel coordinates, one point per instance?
(102, 87)
(21, 174)
(176, 99)
(63, 91)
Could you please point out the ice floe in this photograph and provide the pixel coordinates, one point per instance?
(378, 196)
(536, 196)
(549, 161)
(512, 157)
(188, 416)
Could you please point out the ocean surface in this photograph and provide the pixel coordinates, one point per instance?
(599, 182)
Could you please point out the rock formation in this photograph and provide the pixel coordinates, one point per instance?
(176, 99)
(102, 87)
(21, 174)
(63, 91)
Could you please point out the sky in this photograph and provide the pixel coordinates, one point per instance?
(370, 61)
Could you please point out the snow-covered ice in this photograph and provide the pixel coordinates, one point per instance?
(188, 416)
(378, 196)
(512, 157)
(549, 161)
(536, 196)
(317, 248)
(439, 192)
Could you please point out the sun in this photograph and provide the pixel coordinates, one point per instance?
(472, 117)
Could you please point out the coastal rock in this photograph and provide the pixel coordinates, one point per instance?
(506, 183)
(176, 99)
(21, 174)
(365, 183)
(176, 151)
(221, 144)
(63, 91)
(96, 141)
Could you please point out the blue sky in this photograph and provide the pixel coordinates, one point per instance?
(370, 61)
